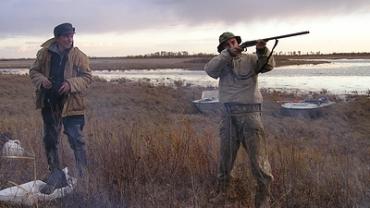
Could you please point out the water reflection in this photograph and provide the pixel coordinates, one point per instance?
(339, 77)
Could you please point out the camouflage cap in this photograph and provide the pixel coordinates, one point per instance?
(224, 37)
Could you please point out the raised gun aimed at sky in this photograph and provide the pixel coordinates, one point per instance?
(250, 43)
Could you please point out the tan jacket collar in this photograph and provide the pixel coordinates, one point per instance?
(48, 43)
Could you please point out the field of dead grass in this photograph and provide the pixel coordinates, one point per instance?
(149, 147)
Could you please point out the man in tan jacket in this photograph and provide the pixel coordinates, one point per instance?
(241, 121)
(61, 75)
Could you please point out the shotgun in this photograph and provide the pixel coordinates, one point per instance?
(254, 42)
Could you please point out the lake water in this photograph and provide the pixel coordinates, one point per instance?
(340, 76)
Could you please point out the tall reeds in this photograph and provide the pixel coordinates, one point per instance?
(147, 147)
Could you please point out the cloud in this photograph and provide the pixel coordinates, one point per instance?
(38, 17)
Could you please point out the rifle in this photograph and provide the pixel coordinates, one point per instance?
(254, 42)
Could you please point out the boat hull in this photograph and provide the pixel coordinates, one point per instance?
(208, 107)
(304, 109)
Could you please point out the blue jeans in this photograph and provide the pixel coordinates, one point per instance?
(73, 126)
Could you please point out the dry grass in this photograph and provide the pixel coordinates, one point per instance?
(149, 148)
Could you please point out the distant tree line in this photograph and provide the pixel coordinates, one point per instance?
(179, 54)
(298, 53)
(170, 54)
(318, 53)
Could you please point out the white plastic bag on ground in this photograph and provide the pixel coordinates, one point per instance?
(29, 193)
(12, 148)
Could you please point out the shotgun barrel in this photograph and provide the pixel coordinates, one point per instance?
(254, 42)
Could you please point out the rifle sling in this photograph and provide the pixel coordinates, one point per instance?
(268, 58)
(263, 66)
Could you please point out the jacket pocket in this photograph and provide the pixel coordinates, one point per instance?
(75, 102)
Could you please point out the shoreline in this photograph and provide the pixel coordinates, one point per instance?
(297, 92)
(189, 63)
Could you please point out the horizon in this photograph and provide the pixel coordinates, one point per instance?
(168, 25)
(200, 55)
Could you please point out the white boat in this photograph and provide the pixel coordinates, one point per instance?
(209, 103)
(311, 108)
(308, 108)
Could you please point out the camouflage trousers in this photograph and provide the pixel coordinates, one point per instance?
(242, 124)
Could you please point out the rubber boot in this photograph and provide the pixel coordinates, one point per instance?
(56, 178)
(220, 195)
(262, 198)
(262, 201)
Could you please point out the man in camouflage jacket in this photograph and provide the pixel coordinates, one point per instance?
(241, 121)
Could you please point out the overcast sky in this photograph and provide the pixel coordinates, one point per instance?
(124, 27)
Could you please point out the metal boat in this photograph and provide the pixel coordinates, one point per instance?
(308, 108)
(209, 103)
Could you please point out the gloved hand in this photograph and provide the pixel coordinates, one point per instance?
(260, 44)
(233, 47)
